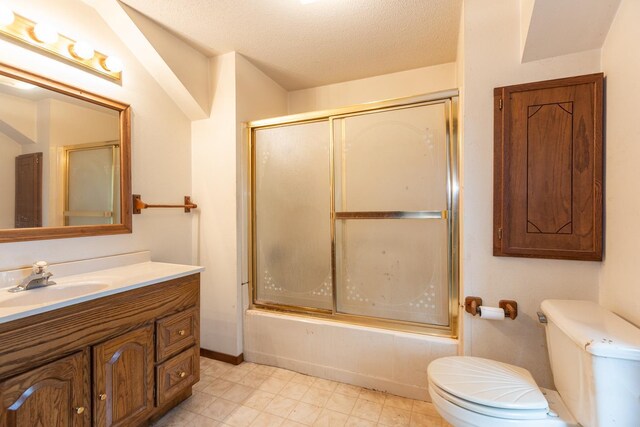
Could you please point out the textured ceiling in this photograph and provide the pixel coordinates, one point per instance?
(327, 41)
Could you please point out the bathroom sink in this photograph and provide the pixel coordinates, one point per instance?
(51, 294)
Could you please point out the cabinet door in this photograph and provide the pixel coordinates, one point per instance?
(56, 394)
(123, 378)
(548, 169)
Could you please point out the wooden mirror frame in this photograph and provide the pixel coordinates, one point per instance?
(45, 233)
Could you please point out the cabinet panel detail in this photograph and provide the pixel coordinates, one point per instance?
(548, 169)
(124, 378)
(53, 395)
(176, 332)
(177, 373)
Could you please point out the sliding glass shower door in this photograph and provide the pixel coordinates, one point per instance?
(354, 215)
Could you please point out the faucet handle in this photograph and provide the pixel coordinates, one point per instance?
(39, 267)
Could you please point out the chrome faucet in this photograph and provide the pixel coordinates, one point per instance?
(38, 278)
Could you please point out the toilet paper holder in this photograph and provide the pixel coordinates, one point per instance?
(510, 307)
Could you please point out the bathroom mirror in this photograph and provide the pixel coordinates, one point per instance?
(64, 160)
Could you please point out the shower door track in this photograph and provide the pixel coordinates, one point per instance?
(450, 100)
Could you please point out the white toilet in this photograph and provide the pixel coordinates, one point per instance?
(595, 361)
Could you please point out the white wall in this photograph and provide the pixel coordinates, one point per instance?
(240, 92)
(388, 86)
(491, 52)
(161, 153)
(619, 289)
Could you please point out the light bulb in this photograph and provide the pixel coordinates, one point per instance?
(82, 50)
(113, 64)
(6, 16)
(45, 33)
(23, 86)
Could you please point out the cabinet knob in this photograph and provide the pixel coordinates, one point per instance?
(181, 332)
(182, 374)
(102, 396)
(79, 410)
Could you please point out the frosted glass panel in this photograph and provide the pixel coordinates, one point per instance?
(293, 216)
(392, 160)
(92, 187)
(393, 269)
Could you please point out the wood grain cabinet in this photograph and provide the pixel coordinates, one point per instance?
(123, 378)
(56, 394)
(548, 169)
(120, 360)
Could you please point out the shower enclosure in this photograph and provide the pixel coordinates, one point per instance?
(354, 214)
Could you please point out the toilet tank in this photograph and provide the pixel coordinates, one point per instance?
(595, 361)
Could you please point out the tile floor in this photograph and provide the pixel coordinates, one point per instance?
(258, 395)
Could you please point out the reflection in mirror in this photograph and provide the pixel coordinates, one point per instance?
(65, 165)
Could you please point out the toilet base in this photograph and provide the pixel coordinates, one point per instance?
(461, 417)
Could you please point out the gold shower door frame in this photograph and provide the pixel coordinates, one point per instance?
(450, 100)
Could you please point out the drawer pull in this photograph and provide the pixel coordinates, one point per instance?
(79, 410)
(181, 332)
(102, 396)
(182, 374)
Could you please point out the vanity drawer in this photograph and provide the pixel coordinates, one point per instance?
(176, 374)
(176, 332)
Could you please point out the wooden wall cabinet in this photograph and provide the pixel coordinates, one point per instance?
(548, 169)
(47, 378)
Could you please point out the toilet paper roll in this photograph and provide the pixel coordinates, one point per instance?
(491, 313)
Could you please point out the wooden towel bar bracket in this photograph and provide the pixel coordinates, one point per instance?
(138, 204)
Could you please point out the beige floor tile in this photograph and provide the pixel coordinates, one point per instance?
(218, 387)
(253, 379)
(399, 402)
(294, 390)
(264, 370)
(259, 400)
(273, 385)
(348, 390)
(177, 417)
(291, 423)
(422, 420)
(323, 384)
(245, 367)
(233, 375)
(283, 374)
(280, 406)
(394, 417)
(205, 363)
(372, 396)
(202, 421)
(358, 422)
(238, 393)
(242, 416)
(426, 408)
(316, 396)
(328, 418)
(367, 410)
(205, 380)
(303, 379)
(267, 420)
(341, 403)
(305, 413)
(197, 402)
(217, 368)
(219, 409)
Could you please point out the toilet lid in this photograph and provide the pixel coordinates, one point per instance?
(488, 383)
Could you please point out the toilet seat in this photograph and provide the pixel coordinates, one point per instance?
(488, 387)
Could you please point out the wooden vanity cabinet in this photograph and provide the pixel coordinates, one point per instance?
(56, 394)
(102, 362)
(123, 378)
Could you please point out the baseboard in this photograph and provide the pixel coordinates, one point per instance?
(222, 357)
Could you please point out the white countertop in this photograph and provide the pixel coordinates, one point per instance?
(74, 289)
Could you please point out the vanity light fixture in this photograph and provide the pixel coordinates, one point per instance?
(45, 37)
